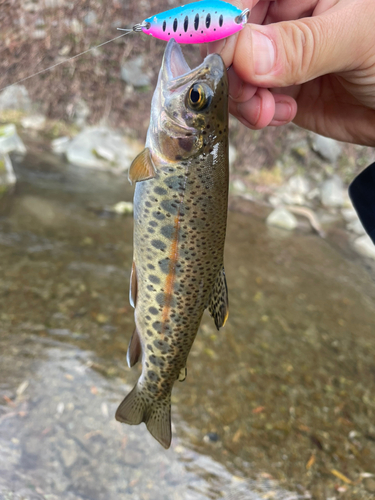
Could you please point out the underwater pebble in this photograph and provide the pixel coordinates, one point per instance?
(283, 219)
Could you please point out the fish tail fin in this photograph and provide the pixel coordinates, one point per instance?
(137, 408)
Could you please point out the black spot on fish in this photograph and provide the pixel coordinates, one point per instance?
(156, 361)
(164, 25)
(160, 299)
(168, 231)
(169, 207)
(158, 215)
(158, 244)
(164, 265)
(162, 346)
(151, 266)
(175, 25)
(148, 204)
(208, 21)
(186, 23)
(154, 279)
(156, 325)
(160, 190)
(221, 20)
(153, 310)
(153, 376)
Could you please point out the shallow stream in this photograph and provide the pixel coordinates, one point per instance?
(280, 404)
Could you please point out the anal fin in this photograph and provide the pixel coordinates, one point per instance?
(142, 167)
(182, 375)
(134, 349)
(218, 303)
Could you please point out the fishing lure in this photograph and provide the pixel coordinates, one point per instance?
(198, 22)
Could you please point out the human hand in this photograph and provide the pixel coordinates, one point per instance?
(307, 61)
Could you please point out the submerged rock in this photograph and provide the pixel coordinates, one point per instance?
(282, 218)
(10, 142)
(102, 148)
(327, 148)
(332, 192)
(123, 208)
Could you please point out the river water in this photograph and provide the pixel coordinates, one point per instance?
(280, 404)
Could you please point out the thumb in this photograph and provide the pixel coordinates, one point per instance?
(294, 52)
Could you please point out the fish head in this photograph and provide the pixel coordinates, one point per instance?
(188, 105)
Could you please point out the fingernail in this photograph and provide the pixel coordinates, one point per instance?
(263, 52)
(283, 110)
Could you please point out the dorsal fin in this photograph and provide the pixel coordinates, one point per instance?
(134, 349)
(142, 167)
(218, 303)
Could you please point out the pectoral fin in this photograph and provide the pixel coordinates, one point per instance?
(134, 349)
(142, 167)
(218, 303)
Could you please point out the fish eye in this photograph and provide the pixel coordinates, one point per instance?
(199, 97)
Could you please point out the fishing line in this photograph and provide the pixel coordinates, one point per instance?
(63, 62)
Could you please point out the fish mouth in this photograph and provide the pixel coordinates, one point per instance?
(174, 63)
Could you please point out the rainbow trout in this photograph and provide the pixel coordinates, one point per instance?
(180, 215)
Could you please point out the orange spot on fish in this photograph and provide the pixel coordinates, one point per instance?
(171, 276)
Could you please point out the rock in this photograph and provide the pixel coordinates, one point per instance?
(10, 142)
(15, 97)
(60, 145)
(69, 453)
(369, 484)
(34, 122)
(294, 191)
(80, 112)
(211, 437)
(90, 18)
(356, 227)
(283, 219)
(365, 247)
(7, 175)
(123, 208)
(239, 186)
(132, 72)
(298, 184)
(332, 192)
(102, 148)
(349, 214)
(76, 27)
(314, 193)
(39, 34)
(327, 148)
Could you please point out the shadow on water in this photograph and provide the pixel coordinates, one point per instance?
(278, 405)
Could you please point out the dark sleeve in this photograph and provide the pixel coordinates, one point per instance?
(362, 194)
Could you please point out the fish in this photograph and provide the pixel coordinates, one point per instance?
(197, 22)
(180, 216)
